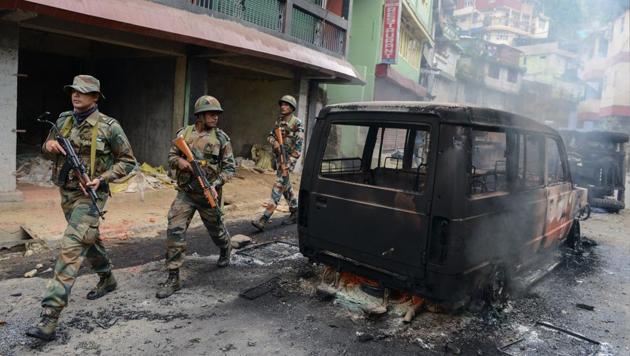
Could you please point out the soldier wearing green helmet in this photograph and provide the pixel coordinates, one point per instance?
(212, 148)
(293, 138)
(101, 143)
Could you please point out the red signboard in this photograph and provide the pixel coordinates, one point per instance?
(391, 23)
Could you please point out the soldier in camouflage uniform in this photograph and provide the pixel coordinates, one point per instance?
(293, 139)
(101, 144)
(213, 150)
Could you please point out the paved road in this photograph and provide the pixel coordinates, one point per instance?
(208, 316)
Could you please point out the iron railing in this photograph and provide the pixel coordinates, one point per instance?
(307, 21)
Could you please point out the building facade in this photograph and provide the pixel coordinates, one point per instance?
(154, 58)
(489, 75)
(502, 21)
(390, 43)
(551, 81)
(606, 65)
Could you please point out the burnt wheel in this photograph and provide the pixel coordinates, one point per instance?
(496, 291)
(611, 205)
(574, 239)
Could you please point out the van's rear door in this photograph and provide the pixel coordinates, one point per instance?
(370, 201)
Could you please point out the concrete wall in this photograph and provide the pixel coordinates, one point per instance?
(502, 83)
(444, 90)
(386, 90)
(250, 106)
(139, 94)
(9, 40)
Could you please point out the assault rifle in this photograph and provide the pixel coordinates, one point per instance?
(281, 152)
(208, 191)
(73, 165)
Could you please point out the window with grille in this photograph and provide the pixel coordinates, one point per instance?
(410, 45)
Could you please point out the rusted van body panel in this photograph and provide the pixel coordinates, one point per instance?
(436, 195)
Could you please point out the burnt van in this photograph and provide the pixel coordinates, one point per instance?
(439, 200)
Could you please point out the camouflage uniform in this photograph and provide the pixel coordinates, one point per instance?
(113, 159)
(293, 137)
(214, 151)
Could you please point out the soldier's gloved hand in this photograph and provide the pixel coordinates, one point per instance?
(276, 145)
(184, 165)
(53, 146)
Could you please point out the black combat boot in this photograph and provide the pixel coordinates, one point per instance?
(45, 329)
(224, 257)
(260, 224)
(171, 285)
(292, 219)
(106, 284)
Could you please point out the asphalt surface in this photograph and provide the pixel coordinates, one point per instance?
(209, 317)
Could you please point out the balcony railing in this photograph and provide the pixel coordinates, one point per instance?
(304, 20)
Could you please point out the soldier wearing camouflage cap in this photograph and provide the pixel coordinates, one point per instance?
(212, 148)
(101, 144)
(293, 139)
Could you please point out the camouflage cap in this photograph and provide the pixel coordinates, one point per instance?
(289, 100)
(207, 103)
(85, 84)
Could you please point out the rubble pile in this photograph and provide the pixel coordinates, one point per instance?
(143, 178)
(34, 170)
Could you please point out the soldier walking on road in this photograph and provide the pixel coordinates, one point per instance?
(213, 150)
(100, 142)
(286, 155)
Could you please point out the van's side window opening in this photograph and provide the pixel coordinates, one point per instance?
(342, 158)
(555, 166)
(384, 156)
(530, 158)
(489, 162)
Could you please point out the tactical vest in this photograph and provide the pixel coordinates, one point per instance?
(185, 179)
(65, 131)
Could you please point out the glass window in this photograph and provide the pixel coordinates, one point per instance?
(489, 166)
(555, 166)
(398, 156)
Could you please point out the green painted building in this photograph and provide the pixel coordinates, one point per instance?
(394, 81)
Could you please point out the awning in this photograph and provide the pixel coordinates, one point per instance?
(387, 72)
(151, 19)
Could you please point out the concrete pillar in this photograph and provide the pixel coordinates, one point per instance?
(303, 113)
(196, 84)
(302, 109)
(9, 43)
(315, 104)
(179, 95)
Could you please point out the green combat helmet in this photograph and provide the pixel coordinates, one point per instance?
(85, 84)
(207, 103)
(289, 100)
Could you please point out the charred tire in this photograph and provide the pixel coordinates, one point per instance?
(496, 290)
(611, 205)
(574, 239)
